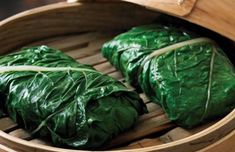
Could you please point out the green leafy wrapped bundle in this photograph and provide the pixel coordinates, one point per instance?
(190, 77)
(52, 95)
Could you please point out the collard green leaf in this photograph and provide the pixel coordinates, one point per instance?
(193, 83)
(52, 95)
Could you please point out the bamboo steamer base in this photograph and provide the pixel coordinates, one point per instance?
(153, 132)
(85, 48)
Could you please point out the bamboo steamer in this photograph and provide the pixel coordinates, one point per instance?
(80, 29)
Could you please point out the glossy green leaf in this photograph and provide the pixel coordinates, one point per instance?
(193, 84)
(52, 95)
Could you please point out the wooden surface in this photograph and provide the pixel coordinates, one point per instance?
(5, 149)
(64, 18)
(175, 7)
(216, 15)
(53, 25)
(85, 48)
(225, 144)
(11, 7)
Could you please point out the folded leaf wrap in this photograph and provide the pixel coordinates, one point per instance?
(52, 95)
(193, 83)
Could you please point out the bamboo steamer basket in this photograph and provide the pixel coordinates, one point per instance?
(79, 29)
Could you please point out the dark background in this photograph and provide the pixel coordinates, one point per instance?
(11, 7)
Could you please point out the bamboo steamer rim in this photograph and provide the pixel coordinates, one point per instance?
(229, 119)
(41, 10)
(224, 124)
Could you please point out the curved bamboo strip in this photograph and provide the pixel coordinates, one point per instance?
(62, 18)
